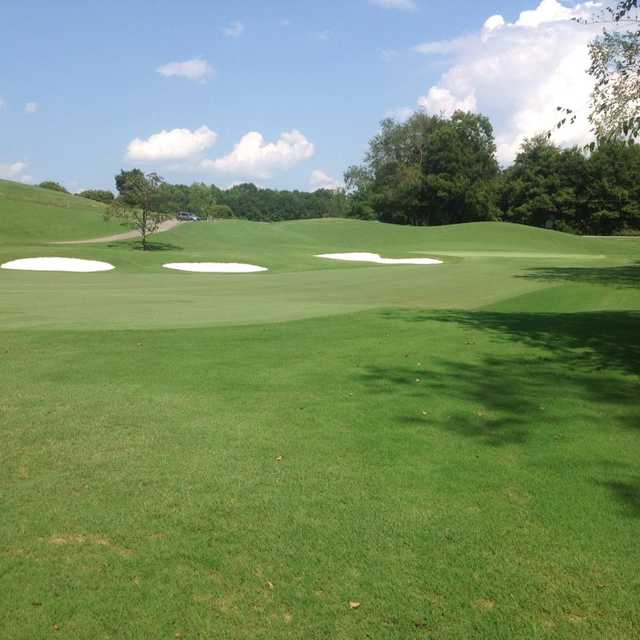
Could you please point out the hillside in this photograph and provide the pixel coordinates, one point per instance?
(33, 215)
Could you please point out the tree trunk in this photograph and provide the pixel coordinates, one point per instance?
(144, 230)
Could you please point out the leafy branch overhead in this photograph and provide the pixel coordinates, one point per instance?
(615, 68)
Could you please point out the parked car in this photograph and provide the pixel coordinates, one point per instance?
(185, 216)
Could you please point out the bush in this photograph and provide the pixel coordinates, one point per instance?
(219, 212)
(53, 186)
(98, 195)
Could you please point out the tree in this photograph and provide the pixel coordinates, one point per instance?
(126, 181)
(428, 170)
(541, 187)
(200, 199)
(614, 111)
(137, 203)
(98, 195)
(615, 67)
(218, 212)
(53, 186)
(611, 198)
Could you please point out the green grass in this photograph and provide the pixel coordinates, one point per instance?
(30, 215)
(208, 456)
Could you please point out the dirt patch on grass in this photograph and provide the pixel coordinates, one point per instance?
(81, 538)
(484, 604)
(576, 617)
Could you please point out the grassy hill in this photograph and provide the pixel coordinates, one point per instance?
(33, 215)
(455, 448)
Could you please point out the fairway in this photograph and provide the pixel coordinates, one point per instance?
(453, 447)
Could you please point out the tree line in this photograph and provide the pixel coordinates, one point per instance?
(240, 201)
(432, 170)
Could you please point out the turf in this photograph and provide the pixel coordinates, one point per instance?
(207, 456)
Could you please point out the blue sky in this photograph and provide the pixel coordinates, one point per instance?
(328, 70)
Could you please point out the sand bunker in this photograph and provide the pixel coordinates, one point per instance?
(375, 258)
(215, 267)
(57, 264)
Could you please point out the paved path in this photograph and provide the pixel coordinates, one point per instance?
(167, 225)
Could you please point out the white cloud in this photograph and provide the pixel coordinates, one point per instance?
(195, 69)
(31, 107)
(394, 4)
(493, 22)
(321, 180)
(15, 171)
(233, 30)
(172, 146)
(2, 103)
(440, 100)
(253, 157)
(519, 73)
(552, 11)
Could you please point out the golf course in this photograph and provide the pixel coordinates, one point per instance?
(330, 450)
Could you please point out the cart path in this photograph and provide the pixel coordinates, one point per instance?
(167, 225)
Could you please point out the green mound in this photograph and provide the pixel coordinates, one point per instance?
(33, 215)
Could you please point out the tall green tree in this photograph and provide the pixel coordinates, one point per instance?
(428, 170)
(542, 186)
(611, 194)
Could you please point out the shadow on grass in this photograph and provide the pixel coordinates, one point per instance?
(627, 276)
(537, 373)
(136, 245)
(513, 377)
(481, 407)
(627, 494)
(585, 341)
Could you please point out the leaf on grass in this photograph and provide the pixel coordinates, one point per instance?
(354, 605)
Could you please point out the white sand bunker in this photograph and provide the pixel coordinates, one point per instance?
(375, 257)
(57, 264)
(215, 267)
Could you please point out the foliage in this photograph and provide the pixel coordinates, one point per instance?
(52, 186)
(98, 195)
(247, 201)
(540, 188)
(611, 191)
(428, 170)
(615, 69)
(137, 202)
(566, 190)
(433, 171)
(219, 211)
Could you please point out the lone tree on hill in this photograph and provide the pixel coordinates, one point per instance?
(137, 202)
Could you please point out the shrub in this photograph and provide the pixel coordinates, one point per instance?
(98, 195)
(53, 186)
